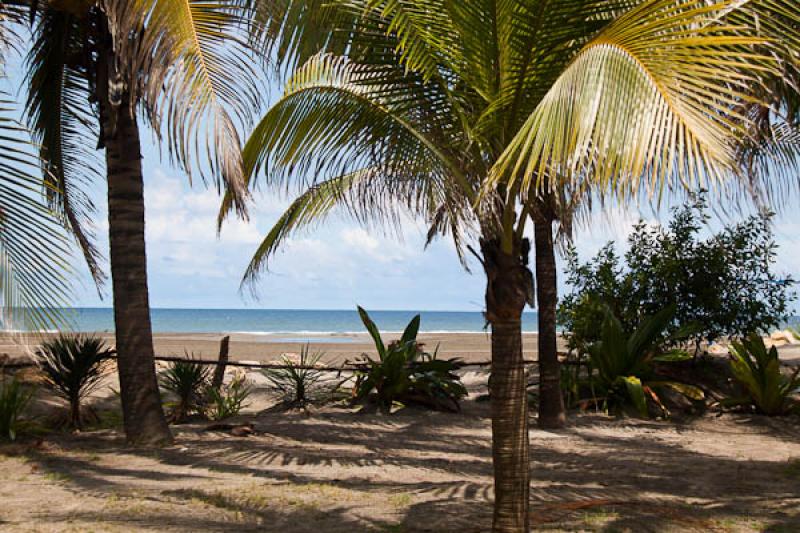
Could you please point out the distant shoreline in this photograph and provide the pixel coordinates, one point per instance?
(471, 347)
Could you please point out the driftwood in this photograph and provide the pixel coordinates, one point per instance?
(219, 372)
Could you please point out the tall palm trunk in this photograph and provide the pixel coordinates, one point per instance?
(551, 401)
(142, 411)
(508, 289)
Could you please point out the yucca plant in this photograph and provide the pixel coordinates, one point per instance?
(14, 399)
(186, 381)
(230, 399)
(73, 366)
(297, 381)
(758, 370)
(622, 364)
(404, 372)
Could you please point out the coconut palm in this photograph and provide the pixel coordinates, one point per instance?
(34, 251)
(94, 70)
(484, 117)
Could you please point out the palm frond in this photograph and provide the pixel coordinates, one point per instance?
(34, 252)
(653, 97)
(337, 117)
(311, 207)
(57, 115)
(201, 85)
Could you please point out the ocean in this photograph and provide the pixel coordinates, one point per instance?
(289, 321)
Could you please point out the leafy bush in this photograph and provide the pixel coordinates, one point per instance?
(723, 283)
(405, 373)
(228, 400)
(14, 399)
(758, 370)
(187, 382)
(623, 365)
(73, 366)
(296, 382)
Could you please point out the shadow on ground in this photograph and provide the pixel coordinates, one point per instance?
(420, 471)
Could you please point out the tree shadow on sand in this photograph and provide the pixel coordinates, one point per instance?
(641, 483)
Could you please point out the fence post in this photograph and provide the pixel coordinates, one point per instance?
(219, 372)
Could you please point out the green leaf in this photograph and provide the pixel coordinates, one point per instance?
(636, 393)
(690, 391)
(373, 331)
(410, 333)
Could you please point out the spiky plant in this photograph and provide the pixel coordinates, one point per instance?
(758, 370)
(73, 366)
(230, 399)
(623, 363)
(14, 399)
(187, 382)
(296, 381)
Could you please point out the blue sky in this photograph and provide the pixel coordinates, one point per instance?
(334, 266)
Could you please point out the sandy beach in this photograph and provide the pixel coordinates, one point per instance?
(471, 347)
(336, 348)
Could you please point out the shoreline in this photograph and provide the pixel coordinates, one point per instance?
(471, 347)
(337, 347)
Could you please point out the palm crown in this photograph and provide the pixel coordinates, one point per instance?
(186, 76)
(463, 110)
(485, 115)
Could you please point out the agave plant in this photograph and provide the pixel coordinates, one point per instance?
(296, 381)
(625, 362)
(73, 366)
(405, 373)
(14, 399)
(229, 399)
(187, 382)
(758, 370)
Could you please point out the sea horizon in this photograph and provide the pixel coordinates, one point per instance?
(289, 321)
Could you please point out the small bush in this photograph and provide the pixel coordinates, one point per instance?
(298, 381)
(758, 370)
(14, 399)
(623, 365)
(405, 373)
(724, 283)
(186, 381)
(73, 366)
(228, 400)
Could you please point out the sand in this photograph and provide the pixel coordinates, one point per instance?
(338, 470)
(471, 347)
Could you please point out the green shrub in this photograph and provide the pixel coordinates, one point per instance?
(405, 373)
(229, 399)
(758, 370)
(14, 399)
(73, 366)
(723, 283)
(297, 382)
(186, 381)
(623, 365)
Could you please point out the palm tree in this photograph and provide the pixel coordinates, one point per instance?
(34, 252)
(94, 69)
(485, 116)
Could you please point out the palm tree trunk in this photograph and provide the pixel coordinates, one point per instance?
(142, 411)
(508, 289)
(551, 401)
